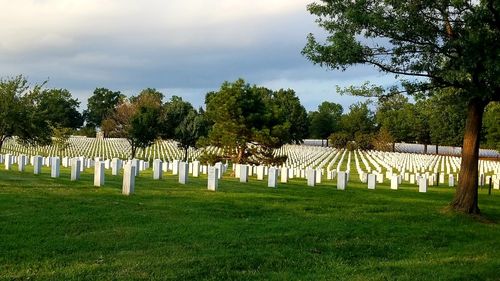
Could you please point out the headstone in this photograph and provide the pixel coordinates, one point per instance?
(311, 177)
(136, 163)
(394, 182)
(196, 169)
(372, 181)
(55, 167)
(7, 161)
(236, 169)
(422, 184)
(341, 180)
(99, 173)
(284, 175)
(21, 163)
(75, 169)
(37, 164)
(272, 177)
(128, 179)
(451, 181)
(175, 167)
(412, 179)
(243, 172)
(380, 178)
(183, 172)
(213, 178)
(260, 173)
(157, 169)
(220, 169)
(116, 166)
(318, 175)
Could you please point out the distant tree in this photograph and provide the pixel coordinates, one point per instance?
(363, 141)
(60, 137)
(383, 140)
(148, 97)
(491, 123)
(359, 119)
(190, 130)
(394, 114)
(325, 121)
(339, 140)
(59, 108)
(20, 115)
(249, 121)
(438, 44)
(101, 105)
(143, 130)
(173, 113)
(289, 122)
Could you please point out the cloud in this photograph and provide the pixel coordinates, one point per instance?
(185, 47)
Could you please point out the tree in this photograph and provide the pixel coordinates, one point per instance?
(383, 140)
(435, 44)
(59, 108)
(394, 115)
(325, 121)
(359, 119)
(20, 115)
(101, 105)
(190, 130)
(491, 123)
(250, 121)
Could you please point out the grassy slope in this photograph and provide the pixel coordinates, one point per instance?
(53, 229)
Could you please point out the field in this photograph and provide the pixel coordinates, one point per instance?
(54, 229)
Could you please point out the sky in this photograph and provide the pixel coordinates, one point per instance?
(185, 48)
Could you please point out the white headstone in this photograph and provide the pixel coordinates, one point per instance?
(318, 175)
(243, 172)
(116, 166)
(183, 172)
(196, 169)
(7, 161)
(341, 180)
(128, 179)
(260, 173)
(372, 181)
(284, 175)
(99, 173)
(422, 184)
(175, 167)
(37, 164)
(75, 169)
(394, 182)
(55, 167)
(451, 181)
(213, 178)
(157, 169)
(21, 164)
(311, 177)
(272, 177)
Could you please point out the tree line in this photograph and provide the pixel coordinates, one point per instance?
(379, 124)
(246, 121)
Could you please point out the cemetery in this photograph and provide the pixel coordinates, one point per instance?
(320, 205)
(131, 147)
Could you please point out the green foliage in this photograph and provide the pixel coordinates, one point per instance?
(244, 116)
(20, 114)
(491, 123)
(363, 141)
(59, 108)
(142, 131)
(325, 121)
(101, 105)
(339, 140)
(61, 137)
(360, 119)
(383, 140)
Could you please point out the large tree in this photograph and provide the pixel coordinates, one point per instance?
(249, 121)
(325, 121)
(20, 114)
(59, 108)
(434, 44)
(101, 105)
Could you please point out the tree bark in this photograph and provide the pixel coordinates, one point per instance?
(466, 193)
(185, 154)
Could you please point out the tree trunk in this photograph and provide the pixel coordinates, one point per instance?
(466, 193)
(1, 144)
(185, 154)
(394, 147)
(425, 148)
(437, 149)
(133, 151)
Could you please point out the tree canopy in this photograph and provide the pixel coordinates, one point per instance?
(430, 45)
(101, 105)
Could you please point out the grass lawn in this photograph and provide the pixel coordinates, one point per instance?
(54, 229)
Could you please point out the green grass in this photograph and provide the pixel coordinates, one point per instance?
(54, 229)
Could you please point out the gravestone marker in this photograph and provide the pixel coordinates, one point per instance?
(213, 178)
